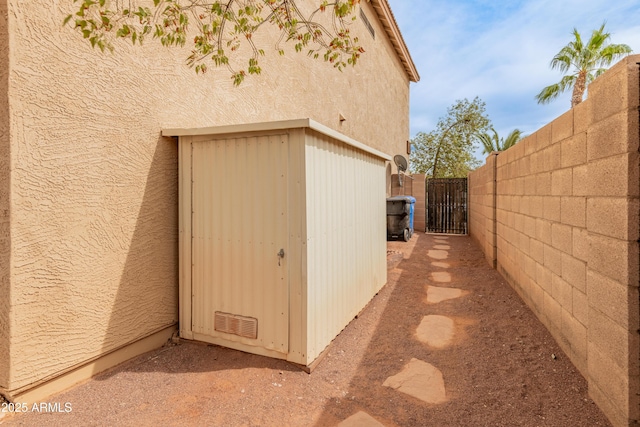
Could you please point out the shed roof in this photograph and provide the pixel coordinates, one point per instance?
(276, 125)
(390, 25)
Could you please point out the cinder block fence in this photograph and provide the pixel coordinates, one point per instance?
(558, 216)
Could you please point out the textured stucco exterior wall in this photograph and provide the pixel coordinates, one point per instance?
(567, 228)
(5, 295)
(94, 186)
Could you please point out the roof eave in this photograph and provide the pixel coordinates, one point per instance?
(390, 25)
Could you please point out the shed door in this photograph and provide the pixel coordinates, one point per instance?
(240, 240)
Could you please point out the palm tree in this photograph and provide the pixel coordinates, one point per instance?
(589, 61)
(491, 143)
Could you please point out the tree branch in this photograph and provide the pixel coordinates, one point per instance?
(168, 20)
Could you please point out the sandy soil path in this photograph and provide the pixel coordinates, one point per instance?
(446, 343)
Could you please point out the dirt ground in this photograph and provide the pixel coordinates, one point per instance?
(498, 370)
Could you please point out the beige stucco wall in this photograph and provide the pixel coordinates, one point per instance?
(5, 295)
(94, 186)
(566, 232)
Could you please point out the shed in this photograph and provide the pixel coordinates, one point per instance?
(282, 235)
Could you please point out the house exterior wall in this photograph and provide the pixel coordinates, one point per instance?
(94, 186)
(566, 233)
(5, 166)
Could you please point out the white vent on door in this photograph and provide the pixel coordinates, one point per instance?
(237, 325)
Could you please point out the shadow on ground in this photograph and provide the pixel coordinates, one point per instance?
(497, 367)
(501, 367)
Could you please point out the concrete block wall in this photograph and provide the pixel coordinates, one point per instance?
(482, 197)
(566, 229)
(415, 187)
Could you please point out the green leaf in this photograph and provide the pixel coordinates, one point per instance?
(124, 31)
(231, 23)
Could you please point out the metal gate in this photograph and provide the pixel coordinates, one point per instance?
(447, 205)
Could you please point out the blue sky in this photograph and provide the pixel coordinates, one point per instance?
(500, 51)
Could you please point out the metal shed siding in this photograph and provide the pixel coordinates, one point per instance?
(239, 223)
(346, 239)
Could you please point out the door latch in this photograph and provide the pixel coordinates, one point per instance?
(280, 256)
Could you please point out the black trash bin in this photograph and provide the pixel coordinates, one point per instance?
(400, 212)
